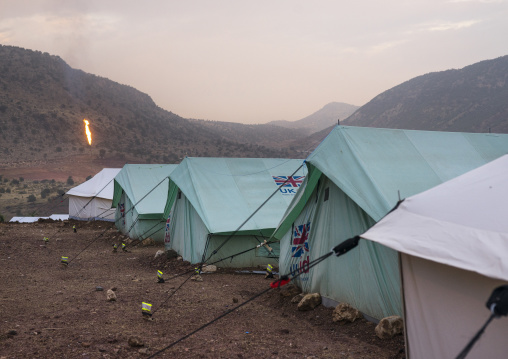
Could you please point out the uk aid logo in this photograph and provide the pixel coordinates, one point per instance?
(300, 249)
(289, 184)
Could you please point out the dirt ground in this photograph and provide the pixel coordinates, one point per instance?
(52, 311)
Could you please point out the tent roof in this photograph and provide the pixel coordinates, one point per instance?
(461, 223)
(375, 166)
(100, 185)
(226, 191)
(139, 180)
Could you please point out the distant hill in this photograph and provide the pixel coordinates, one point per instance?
(472, 99)
(43, 102)
(321, 119)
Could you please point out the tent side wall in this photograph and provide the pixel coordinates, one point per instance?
(89, 208)
(240, 243)
(187, 231)
(445, 307)
(188, 237)
(367, 277)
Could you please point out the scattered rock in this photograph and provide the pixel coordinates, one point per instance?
(344, 313)
(297, 298)
(309, 301)
(389, 327)
(111, 295)
(99, 289)
(86, 345)
(159, 253)
(235, 300)
(12, 332)
(290, 290)
(179, 258)
(209, 268)
(135, 342)
(143, 351)
(197, 278)
(114, 289)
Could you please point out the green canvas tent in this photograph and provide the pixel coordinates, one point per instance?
(356, 176)
(210, 198)
(140, 194)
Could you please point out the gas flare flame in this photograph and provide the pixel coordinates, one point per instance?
(88, 132)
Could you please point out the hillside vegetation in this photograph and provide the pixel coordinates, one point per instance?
(472, 99)
(43, 102)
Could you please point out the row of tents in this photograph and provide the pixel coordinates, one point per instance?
(434, 260)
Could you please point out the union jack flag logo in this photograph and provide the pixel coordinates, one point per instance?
(300, 243)
(290, 181)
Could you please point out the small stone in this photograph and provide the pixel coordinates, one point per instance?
(86, 345)
(345, 313)
(143, 351)
(389, 327)
(235, 300)
(179, 258)
(135, 342)
(159, 253)
(297, 298)
(111, 296)
(209, 268)
(12, 332)
(309, 301)
(197, 278)
(99, 289)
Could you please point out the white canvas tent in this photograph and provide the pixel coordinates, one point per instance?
(453, 246)
(92, 199)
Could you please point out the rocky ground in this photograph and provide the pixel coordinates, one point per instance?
(49, 310)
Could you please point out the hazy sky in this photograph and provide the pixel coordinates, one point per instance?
(258, 61)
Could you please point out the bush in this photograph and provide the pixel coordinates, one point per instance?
(70, 181)
(14, 182)
(45, 192)
(31, 198)
(21, 179)
(88, 177)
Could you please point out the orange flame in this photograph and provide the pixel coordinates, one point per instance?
(88, 132)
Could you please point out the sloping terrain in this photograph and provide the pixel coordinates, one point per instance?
(472, 99)
(52, 311)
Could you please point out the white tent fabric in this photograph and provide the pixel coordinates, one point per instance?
(55, 217)
(461, 223)
(453, 245)
(92, 199)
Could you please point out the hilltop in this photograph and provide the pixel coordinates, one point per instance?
(471, 99)
(43, 102)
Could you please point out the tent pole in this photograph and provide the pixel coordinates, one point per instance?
(401, 273)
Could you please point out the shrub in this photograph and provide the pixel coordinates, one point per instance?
(31, 198)
(70, 181)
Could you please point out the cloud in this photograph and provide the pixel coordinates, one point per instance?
(385, 46)
(446, 26)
